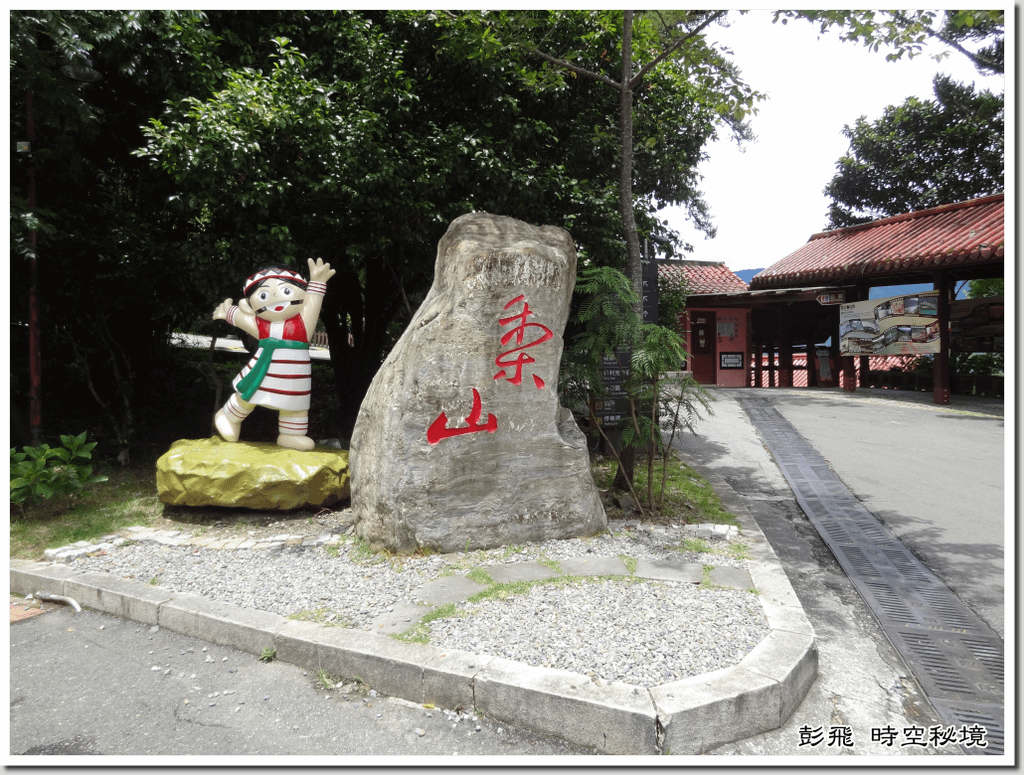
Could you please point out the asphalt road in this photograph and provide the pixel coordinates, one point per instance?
(87, 684)
(933, 476)
(877, 447)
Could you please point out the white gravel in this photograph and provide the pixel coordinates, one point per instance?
(637, 631)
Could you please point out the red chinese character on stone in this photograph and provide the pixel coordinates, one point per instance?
(516, 358)
(439, 428)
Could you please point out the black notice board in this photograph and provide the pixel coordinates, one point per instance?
(612, 408)
(730, 360)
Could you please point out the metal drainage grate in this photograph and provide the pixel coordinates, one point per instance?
(956, 657)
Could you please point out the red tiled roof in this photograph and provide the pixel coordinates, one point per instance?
(704, 276)
(959, 234)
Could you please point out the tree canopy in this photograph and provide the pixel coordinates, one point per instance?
(920, 154)
(218, 140)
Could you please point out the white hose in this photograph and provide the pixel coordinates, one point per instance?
(57, 599)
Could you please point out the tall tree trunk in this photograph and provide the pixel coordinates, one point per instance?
(634, 269)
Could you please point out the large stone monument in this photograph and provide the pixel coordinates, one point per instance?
(461, 442)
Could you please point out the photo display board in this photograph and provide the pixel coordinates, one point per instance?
(899, 325)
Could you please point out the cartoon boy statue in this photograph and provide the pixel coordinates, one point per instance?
(280, 309)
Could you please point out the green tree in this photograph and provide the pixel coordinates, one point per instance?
(364, 135)
(637, 51)
(100, 269)
(907, 33)
(920, 154)
(218, 140)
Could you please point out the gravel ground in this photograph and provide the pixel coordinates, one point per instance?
(615, 629)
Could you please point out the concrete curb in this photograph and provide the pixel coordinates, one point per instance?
(691, 716)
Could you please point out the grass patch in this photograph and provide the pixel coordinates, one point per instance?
(323, 616)
(480, 576)
(128, 498)
(699, 546)
(689, 498)
(327, 680)
(420, 632)
(695, 545)
(550, 564)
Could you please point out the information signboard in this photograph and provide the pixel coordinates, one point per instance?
(649, 277)
(612, 408)
(899, 325)
(730, 360)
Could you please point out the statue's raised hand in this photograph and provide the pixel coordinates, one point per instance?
(319, 271)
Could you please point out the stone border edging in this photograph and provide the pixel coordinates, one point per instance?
(690, 716)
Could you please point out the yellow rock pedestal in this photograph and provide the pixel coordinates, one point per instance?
(213, 472)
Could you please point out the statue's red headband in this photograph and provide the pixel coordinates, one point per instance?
(273, 274)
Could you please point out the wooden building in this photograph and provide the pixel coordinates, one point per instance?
(794, 305)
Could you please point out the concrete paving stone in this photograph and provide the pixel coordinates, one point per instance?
(390, 666)
(594, 566)
(165, 541)
(705, 711)
(67, 552)
(614, 718)
(448, 677)
(400, 618)
(449, 589)
(781, 606)
(670, 570)
(791, 660)
(616, 525)
(222, 623)
(296, 643)
(519, 571)
(27, 579)
(120, 597)
(736, 578)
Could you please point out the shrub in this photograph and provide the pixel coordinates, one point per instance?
(41, 473)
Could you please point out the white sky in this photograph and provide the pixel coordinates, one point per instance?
(767, 200)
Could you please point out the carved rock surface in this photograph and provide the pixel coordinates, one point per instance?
(461, 441)
(252, 475)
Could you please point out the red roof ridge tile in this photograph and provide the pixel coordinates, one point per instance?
(909, 216)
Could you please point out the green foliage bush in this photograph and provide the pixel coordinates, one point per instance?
(41, 473)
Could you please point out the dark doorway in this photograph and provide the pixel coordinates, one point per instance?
(702, 342)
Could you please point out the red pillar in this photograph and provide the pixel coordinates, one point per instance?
(940, 384)
(785, 349)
